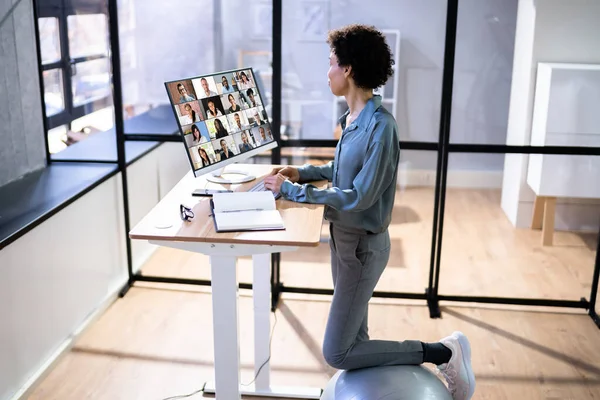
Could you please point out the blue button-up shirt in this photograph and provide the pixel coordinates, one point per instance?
(363, 173)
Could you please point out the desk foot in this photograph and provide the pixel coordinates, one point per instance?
(125, 289)
(280, 392)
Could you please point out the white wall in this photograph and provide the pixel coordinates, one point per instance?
(48, 295)
(547, 31)
(52, 282)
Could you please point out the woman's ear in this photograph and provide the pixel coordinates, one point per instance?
(348, 71)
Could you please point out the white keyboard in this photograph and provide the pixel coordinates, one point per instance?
(260, 187)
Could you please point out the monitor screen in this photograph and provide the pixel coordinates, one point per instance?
(221, 117)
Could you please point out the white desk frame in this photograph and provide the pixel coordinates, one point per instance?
(223, 260)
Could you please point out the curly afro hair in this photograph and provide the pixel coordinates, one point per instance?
(364, 49)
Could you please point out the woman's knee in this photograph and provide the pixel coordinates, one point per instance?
(335, 357)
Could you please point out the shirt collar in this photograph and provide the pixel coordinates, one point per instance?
(365, 115)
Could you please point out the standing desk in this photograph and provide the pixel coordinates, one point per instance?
(163, 226)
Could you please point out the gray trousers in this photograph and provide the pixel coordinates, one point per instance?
(357, 262)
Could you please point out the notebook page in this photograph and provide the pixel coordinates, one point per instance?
(249, 220)
(239, 201)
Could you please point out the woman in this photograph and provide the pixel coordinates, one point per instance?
(225, 152)
(196, 135)
(190, 117)
(234, 106)
(204, 159)
(359, 208)
(244, 82)
(213, 111)
(221, 132)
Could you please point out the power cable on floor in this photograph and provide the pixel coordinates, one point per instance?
(183, 396)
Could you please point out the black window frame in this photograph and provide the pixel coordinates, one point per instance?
(62, 9)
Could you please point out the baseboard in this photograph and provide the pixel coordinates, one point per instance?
(456, 179)
(32, 383)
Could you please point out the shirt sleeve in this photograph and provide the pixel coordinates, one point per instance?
(316, 173)
(375, 176)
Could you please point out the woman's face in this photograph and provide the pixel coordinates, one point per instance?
(196, 132)
(337, 76)
(232, 101)
(211, 105)
(188, 109)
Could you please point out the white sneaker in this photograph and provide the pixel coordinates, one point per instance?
(458, 371)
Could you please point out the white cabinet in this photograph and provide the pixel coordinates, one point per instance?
(566, 113)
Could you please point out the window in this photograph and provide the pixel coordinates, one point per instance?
(74, 45)
(160, 42)
(416, 36)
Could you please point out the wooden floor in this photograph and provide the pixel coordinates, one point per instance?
(157, 341)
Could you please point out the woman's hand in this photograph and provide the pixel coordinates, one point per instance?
(290, 173)
(274, 182)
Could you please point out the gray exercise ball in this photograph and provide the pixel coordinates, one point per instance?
(396, 382)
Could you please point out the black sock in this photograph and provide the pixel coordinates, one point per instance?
(436, 353)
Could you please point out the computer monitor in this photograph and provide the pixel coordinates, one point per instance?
(222, 120)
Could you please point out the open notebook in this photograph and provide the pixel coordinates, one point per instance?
(245, 211)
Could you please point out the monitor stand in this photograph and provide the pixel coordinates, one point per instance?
(229, 176)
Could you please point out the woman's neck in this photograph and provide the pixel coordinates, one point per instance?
(357, 100)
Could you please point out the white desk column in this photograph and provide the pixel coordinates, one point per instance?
(225, 326)
(262, 323)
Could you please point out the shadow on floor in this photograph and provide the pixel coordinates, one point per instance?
(590, 240)
(527, 343)
(405, 215)
(311, 344)
(557, 380)
(172, 360)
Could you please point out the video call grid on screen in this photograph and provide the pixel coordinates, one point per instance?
(220, 116)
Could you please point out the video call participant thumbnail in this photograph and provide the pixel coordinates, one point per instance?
(260, 135)
(227, 84)
(205, 87)
(238, 122)
(244, 80)
(184, 91)
(196, 134)
(253, 98)
(243, 141)
(225, 148)
(213, 107)
(189, 113)
(204, 157)
(233, 99)
(255, 117)
(220, 128)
